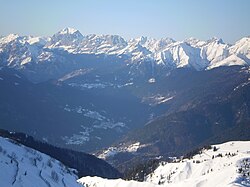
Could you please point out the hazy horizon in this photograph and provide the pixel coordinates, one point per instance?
(226, 19)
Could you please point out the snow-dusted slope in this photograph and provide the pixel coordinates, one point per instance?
(17, 51)
(223, 165)
(23, 166)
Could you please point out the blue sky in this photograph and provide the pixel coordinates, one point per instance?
(179, 19)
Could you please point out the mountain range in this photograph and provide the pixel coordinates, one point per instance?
(44, 58)
(126, 101)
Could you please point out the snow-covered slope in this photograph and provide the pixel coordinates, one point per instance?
(219, 166)
(226, 164)
(23, 166)
(100, 182)
(19, 51)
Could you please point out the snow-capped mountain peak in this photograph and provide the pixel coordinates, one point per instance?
(19, 51)
(242, 47)
(194, 42)
(68, 30)
(141, 40)
(8, 38)
(68, 39)
(215, 40)
(37, 40)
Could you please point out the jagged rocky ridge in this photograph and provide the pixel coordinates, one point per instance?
(66, 50)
